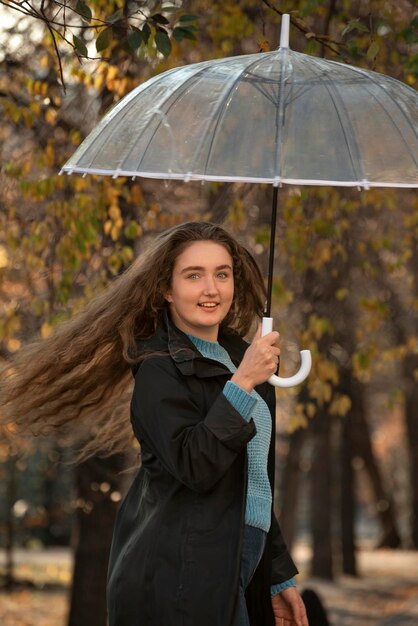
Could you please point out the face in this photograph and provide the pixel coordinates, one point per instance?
(202, 289)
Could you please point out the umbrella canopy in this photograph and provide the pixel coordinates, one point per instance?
(272, 117)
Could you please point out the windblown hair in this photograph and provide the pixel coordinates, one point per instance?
(79, 378)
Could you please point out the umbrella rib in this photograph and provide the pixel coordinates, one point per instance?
(177, 93)
(280, 107)
(334, 94)
(125, 111)
(221, 110)
(396, 103)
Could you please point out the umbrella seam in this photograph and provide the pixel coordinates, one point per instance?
(395, 102)
(333, 91)
(221, 111)
(185, 86)
(140, 89)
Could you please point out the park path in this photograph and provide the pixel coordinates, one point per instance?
(385, 594)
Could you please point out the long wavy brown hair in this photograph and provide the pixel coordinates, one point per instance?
(78, 380)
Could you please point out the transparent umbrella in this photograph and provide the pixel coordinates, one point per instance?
(273, 117)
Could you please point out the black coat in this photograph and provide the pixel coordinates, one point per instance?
(175, 554)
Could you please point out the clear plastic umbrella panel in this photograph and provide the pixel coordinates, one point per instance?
(274, 117)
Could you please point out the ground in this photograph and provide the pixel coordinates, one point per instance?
(386, 594)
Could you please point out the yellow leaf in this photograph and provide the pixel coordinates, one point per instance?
(50, 116)
(263, 45)
(136, 195)
(112, 72)
(49, 155)
(114, 212)
(341, 294)
(340, 406)
(114, 233)
(46, 330)
(98, 81)
(4, 260)
(13, 344)
(412, 342)
(310, 409)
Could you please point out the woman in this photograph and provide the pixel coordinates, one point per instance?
(196, 541)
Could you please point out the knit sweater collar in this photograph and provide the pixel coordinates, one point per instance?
(211, 349)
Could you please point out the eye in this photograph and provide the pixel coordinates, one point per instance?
(223, 275)
(193, 276)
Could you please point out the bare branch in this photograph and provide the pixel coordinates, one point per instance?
(305, 30)
(330, 14)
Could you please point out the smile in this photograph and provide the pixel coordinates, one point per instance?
(209, 305)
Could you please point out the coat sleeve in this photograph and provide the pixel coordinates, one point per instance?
(196, 449)
(282, 567)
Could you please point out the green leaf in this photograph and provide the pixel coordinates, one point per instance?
(80, 46)
(163, 43)
(184, 32)
(104, 39)
(188, 18)
(135, 39)
(160, 19)
(373, 50)
(178, 34)
(115, 17)
(146, 32)
(410, 33)
(83, 10)
(355, 25)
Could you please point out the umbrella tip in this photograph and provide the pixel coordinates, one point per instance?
(284, 32)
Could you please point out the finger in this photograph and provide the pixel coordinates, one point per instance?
(271, 338)
(296, 609)
(304, 617)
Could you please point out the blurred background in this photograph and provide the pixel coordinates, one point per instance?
(346, 287)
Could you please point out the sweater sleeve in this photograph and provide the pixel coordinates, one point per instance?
(242, 401)
(275, 589)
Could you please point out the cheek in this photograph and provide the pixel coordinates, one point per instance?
(185, 294)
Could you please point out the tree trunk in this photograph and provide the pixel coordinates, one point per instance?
(364, 449)
(347, 487)
(410, 365)
(321, 506)
(97, 479)
(10, 522)
(289, 486)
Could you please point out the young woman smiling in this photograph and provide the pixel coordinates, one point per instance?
(196, 542)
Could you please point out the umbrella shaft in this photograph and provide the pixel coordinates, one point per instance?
(271, 254)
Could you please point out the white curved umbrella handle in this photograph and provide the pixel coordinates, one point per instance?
(305, 358)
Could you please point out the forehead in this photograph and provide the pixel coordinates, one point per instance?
(204, 253)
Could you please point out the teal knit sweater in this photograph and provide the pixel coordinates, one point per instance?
(249, 405)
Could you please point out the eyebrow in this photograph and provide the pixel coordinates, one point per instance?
(201, 268)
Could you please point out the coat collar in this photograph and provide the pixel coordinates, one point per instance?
(185, 354)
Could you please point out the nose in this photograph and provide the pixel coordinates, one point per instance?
(210, 287)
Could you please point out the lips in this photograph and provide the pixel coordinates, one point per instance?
(208, 305)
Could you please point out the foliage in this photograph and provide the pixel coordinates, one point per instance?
(132, 27)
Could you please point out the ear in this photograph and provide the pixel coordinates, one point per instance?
(168, 296)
